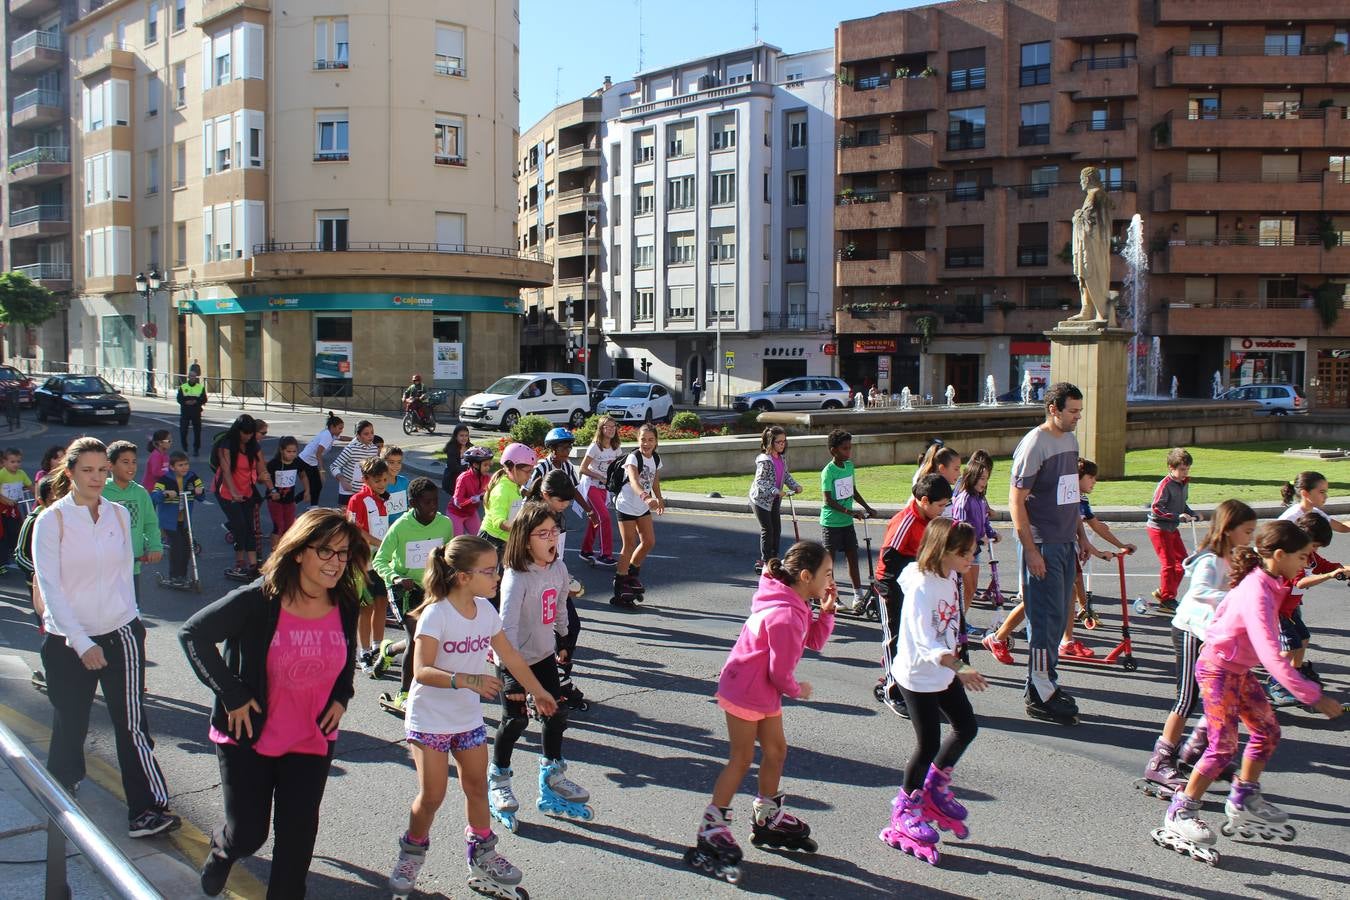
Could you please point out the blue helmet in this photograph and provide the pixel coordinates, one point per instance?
(559, 436)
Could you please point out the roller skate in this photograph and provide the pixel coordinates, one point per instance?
(411, 856)
(775, 827)
(635, 584)
(716, 851)
(502, 802)
(1059, 708)
(1194, 748)
(908, 831)
(560, 796)
(1250, 814)
(1184, 832)
(39, 681)
(240, 573)
(382, 659)
(490, 873)
(940, 806)
(576, 589)
(1279, 696)
(396, 703)
(1161, 777)
(569, 694)
(624, 597)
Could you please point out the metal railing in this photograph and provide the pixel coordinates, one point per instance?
(966, 139)
(965, 257)
(1240, 302)
(811, 320)
(66, 821)
(1086, 125)
(46, 271)
(34, 155)
(1248, 50)
(1032, 135)
(38, 97)
(41, 213)
(1104, 62)
(1284, 113)
(1264, 178)
(47, 40)
(1243, 240)
(394, 247)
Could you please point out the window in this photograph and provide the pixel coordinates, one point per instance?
(723, 188)
(179, 164)
(248, 138)
(722, 245)
(679, 140)
(152, 172)
(1276, 231)
(331, 226)
(1201, 228)
(180, 243)
(1202, 167)
(1203, 42)
(450, 229)
(1033, 244)
(616, 209)
(449, 149)
(107, 176)
(796, 188)
(220, 50)
(449, 50)
(644, 253)
(644, 147)
(739, 73)
(615, 257)
(965, 70)
(106, 103)
(965, 246)
(644, 306)
(796, 308)
(1340, 169)
(965, 128)
(232, 54)
(153, 90)
(107, 252)
(615, 159)
(722, 302)
(1035, 63)
(970, 184)
(1280, 104)
(796, 244)
(646, 199)
(680, 192)
(180, 85)
(680, 248)
(330, 138)
(768, 191)
(152, 23)
(331, 48)
(1279, 167)
(767, 243)
(218, 144)
(796, 123)
(1202, 106)
(1042, 179)
(1112, 177)
(722, 132)
(1284, 43)
(1035, 125)
(152, 247)
(179, 15)
(680, 302)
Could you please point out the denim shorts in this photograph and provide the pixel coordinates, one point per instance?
(1293, 632)
(450, 743)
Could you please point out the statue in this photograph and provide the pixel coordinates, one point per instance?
(1092, 255)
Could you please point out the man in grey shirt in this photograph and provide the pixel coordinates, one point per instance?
(1043, 503)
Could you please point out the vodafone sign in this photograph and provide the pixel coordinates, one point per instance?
(1267, 345)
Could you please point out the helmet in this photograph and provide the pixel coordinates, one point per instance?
(518, 454)
(475, 455)
(417, 378)
(559, 436)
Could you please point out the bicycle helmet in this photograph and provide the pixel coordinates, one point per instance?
(417, 378)
(518, 454)
(559, 436)
(475, 455)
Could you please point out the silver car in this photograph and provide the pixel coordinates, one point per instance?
(1275, 399)
(802, 392)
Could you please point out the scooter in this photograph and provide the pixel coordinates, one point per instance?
(194, 578)
(870, 605)
(796, 533)
(1123, 652)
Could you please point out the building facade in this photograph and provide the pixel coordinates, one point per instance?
(962, 132)
(273, 176)
(35, 186)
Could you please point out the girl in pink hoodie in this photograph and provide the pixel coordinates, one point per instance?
(756, 677)
(1244, 633)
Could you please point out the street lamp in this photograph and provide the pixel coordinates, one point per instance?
(147, 285)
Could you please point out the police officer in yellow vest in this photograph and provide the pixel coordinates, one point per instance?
(191, 399)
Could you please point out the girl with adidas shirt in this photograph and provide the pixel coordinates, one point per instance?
(635, 503)
(604, 449)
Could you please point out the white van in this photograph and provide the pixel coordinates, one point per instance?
(559, 397)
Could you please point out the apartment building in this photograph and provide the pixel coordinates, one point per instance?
(716, 239)
(35, 185)
(275, 174)
(962, 130)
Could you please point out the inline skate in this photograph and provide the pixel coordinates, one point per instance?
(940, 806)
(1184, 832)
(502, 802)
(775, 827)
(559, 795)
(1194, 748)
(1161, 777)
(1250, 814)
(624, 595)
(908, 831)
(1058, 708)
(716, 851)
(635, 584)
(491, 873)
(411, 856)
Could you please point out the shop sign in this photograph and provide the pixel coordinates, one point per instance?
(1268, 345)
(784, 352)
(883, 367)
(342, 301)
(829, 349)
(874, 345)
(449, 361)
(333, 359)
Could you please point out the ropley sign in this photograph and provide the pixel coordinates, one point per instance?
(1257, 345)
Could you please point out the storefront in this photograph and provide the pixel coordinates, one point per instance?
(1029, 359)
(1330, 384)
(887, 363)
(1266, 360)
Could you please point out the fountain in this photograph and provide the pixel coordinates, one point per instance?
(951, 396)
(1140, 382)
(859, 401)
(990, 391)
(1173, 391)
(1217, 384)
(1026, 387)
(906, 398)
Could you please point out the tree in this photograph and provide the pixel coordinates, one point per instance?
(22, 302)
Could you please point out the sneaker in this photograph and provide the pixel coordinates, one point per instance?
(975, 634)
(607, 561)
(895, 701)
(238, 572)
(1060, 707)
(215, 872)
(574, 588)
(153, 822)
(364, 660)
(587, 556)
(1076, 649)
(759, 567)
(997, 649)
(1279, 696)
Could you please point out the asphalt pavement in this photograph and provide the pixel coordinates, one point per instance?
(1052, 810)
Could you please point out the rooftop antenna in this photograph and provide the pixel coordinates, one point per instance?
(756, 21)
(557, 85)
(641, 38)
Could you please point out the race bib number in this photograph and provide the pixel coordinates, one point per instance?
(1067, 491)
(379, 525)
(843, 488)
(357, 477)
(285, 478)
(397, 502)
(549, 606)
(13, 490)
(417, 553)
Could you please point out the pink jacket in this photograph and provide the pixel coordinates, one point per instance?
(759, 671)
(155, 467)
(468, 485)
(1245, 632)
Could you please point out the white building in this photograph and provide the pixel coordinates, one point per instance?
(717, 238)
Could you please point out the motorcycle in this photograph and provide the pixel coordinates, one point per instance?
(422, 416)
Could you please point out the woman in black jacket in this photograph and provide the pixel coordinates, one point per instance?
(282, 686)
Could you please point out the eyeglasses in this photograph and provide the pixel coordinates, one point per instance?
(546, 533)
(327, 553)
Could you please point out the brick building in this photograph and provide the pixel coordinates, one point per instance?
(962, 129)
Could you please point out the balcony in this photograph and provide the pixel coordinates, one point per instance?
(890, 267)
(1092, 139)
(39, 164)
(965, 258)
(112, 55)
(31, 9)
(576, 244)
(884, 95)
(1076, 20)
(1302, 191)
(577, 157)
(1304, 128)
(898, 33)
(1203, 12)
(808, 320)
(52, 276)
(890, 152)
(1033, 257)
(576, 201)
(965, 139)
(406, 259)
(1228, 316)
(1033, 135)
(1102, 78)
(36, 51)
(39, 221)
(1235, 256)
(1231, 64)
(881, 209)
(37, 108)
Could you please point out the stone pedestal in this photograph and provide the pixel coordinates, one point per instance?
(1095, 359)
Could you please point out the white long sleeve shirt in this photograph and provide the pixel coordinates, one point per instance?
(930, 618)
(84, 570)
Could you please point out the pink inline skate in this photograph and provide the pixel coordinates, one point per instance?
(908, 831)
(940, 807)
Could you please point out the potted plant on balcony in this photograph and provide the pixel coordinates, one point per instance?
(1327, 232)
(846, 195)
(1065, 254)
(1162, 133)
(902, 72)
(928, 72)
(850, 249)
(1328, 298)
(1005, 306)
(845, 77)
(925, 325)
(1333, 44)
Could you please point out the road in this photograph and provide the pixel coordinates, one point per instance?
(1052, 809)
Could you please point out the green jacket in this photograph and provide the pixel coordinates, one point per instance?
(145, 536)
(391, 560)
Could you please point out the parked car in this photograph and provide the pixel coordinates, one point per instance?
(74, 397)
(559, 397)
(12, 379)
(806, 392)
(635, 401)
(601, 388)
(1275, 399)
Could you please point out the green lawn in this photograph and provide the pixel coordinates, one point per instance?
(1251, 472)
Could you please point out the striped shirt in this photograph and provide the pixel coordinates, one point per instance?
(347, 467)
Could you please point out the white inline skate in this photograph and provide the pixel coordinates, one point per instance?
(716, 851)
(1184, 832)
(410, 859)
(491, 873)
(1251, 815)
(561, 796)
(502, 802)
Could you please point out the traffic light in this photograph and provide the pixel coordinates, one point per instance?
(646, 364)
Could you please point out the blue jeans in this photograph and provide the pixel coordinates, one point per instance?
(1047, 604)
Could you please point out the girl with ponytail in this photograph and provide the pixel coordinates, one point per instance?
(1308, 494)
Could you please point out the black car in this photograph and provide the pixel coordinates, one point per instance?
(11, 379)
(73, 397)
(600, 389)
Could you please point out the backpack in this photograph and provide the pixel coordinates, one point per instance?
(216, 443)
(616, 477)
